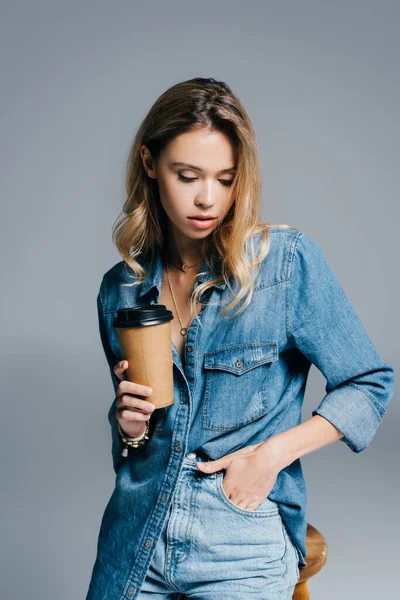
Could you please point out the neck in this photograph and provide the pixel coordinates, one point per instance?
(179, 251)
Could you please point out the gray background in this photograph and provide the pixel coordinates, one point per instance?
(320, 83)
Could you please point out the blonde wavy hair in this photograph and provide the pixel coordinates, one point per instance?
(141, 227)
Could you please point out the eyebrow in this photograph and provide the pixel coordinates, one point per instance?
(189, 166)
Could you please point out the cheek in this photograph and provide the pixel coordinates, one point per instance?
(228, 204)
(173, 198)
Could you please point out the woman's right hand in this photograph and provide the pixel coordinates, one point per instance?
(131, 411)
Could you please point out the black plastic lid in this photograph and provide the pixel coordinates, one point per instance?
(141, 316)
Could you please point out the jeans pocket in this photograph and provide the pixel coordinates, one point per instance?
(267, 508)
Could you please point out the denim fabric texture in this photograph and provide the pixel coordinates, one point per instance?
(243, 382)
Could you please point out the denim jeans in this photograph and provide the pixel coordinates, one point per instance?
(210, 548)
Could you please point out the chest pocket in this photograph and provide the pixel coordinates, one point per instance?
(236, 387)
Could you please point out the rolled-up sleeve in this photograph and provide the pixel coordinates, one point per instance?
(324, 326)
(117, 445)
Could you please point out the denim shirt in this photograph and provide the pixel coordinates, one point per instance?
(243, 381)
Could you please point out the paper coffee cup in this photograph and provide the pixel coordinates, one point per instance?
(145, 339)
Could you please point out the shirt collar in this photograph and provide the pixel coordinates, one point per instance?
(153, 266)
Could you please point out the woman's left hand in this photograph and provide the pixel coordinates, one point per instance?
(250, 475)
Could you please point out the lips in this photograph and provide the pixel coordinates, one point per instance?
(201, 217)
(201, 223)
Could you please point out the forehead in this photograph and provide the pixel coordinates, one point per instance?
(204, 150)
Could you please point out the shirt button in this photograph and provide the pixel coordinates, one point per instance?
(148, 543)
(191, 455)
(190, 348)
(164, 497)
(178, 447)
(239, 363)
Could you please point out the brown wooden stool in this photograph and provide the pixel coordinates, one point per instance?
(315, 559)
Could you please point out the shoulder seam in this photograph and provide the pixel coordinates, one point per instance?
(292, 252)
(283, 230)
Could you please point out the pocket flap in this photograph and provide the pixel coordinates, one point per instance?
(240, 358)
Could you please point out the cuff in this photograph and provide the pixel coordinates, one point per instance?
(356, 414)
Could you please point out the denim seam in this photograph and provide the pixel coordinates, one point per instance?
(195, 358)
(370, 397)
(267, 285)
(286, 278)
(285, 548)
(168, 564)
(292, 252)
(246, 345)
(190, 520)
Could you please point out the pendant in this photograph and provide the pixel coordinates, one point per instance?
(185, 267)
(183, 330)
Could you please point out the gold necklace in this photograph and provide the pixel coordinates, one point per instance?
(186, 267)
(183, 330)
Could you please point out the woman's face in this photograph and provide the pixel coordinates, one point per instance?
(201, 186)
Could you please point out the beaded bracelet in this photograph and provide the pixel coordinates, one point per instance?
(133, 442)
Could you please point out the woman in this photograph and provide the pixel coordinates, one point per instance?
(211, 501)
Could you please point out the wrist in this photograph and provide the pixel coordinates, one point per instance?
(273, 452)
(133, 441)
(134, 432)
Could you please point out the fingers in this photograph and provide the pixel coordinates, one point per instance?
(130, 387)
(120, 369)
(135, 408)
(139, 389)
(133, 414)
(128, 403)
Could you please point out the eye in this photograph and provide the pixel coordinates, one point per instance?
(187, 179)
(225, 182)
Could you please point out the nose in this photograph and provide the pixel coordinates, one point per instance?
(207, 198)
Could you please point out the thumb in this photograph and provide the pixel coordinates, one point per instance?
(212, 465)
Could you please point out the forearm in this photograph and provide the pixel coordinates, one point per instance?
(285, 447)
